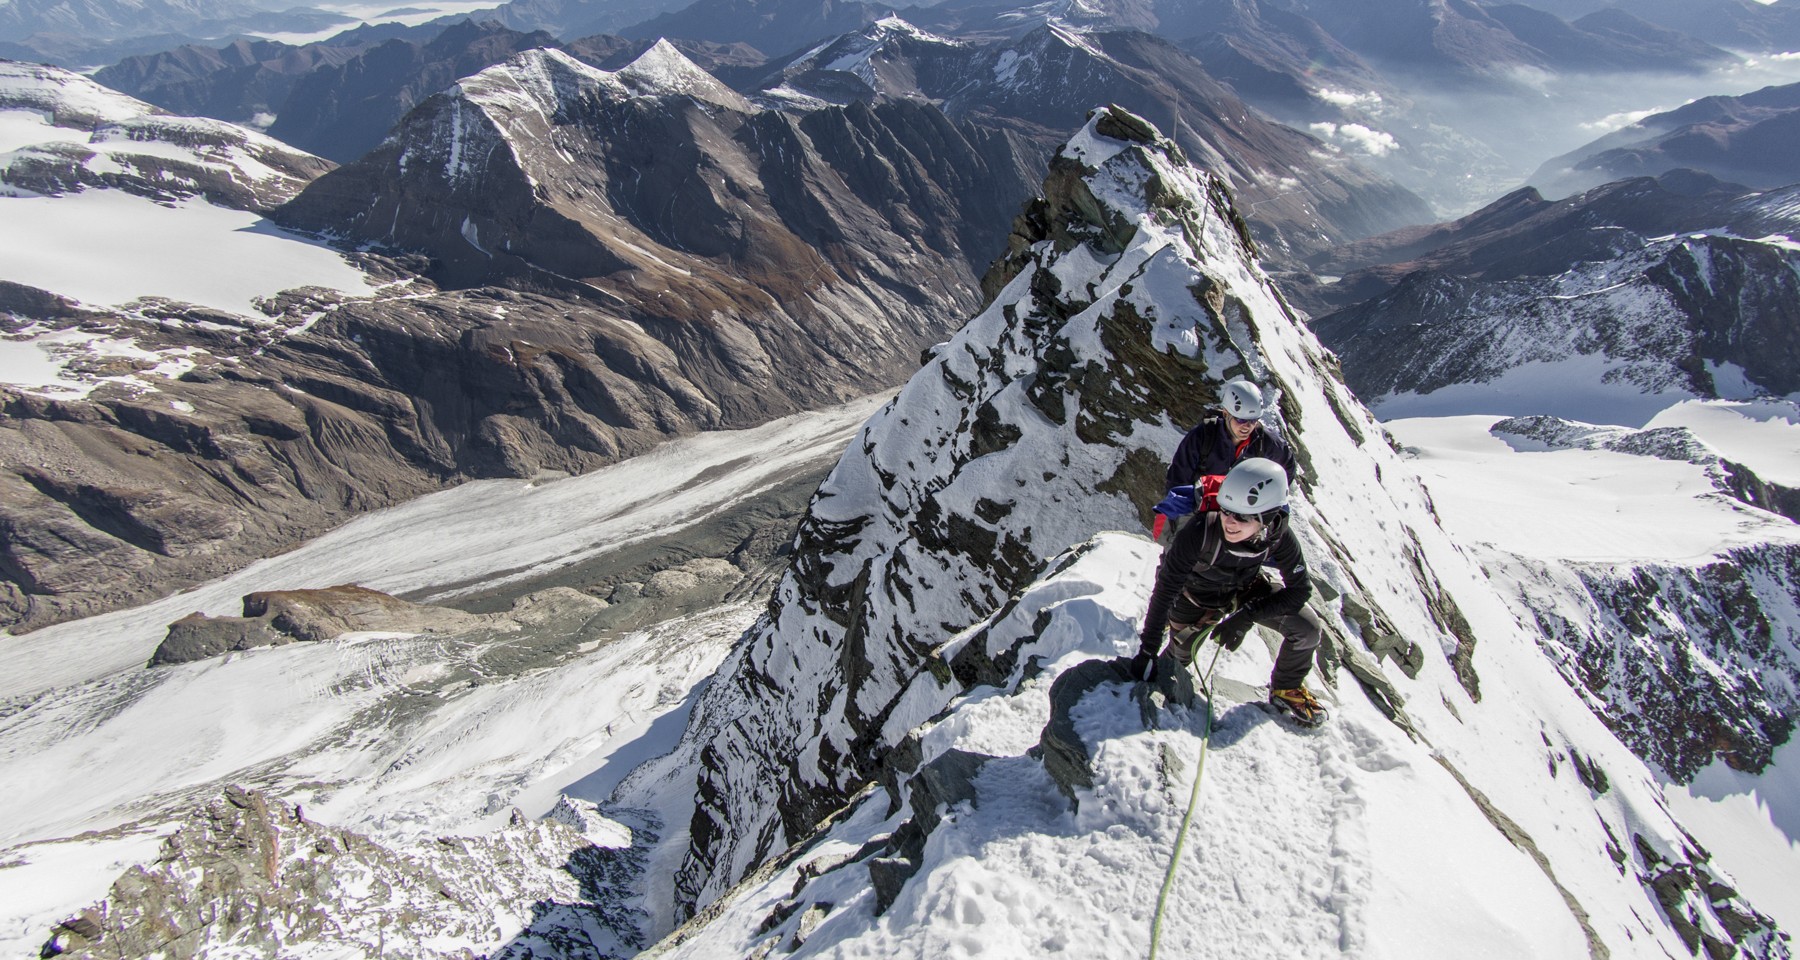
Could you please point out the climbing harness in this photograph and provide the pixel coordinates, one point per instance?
(1193, 799)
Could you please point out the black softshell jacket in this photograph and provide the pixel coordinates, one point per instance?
(1213, 571)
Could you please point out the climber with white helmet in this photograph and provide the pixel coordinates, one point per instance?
(1236, 434)
(1211, 576)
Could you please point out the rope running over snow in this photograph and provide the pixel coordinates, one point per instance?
(1193, 802)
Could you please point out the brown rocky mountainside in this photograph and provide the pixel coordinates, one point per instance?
(582, 265)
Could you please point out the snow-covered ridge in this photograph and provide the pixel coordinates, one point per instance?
(546, 80)
(925, 600)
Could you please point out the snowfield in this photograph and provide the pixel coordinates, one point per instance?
(1600, 505)
(132, 247)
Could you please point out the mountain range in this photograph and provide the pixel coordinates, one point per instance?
(501, 489)
(595, 293)
(1748, 139)
(926, 739)
(1652, 282)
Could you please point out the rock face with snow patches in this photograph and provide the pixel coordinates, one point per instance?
(248, 874)
(98, 138)
(890, 753)
(746, 241)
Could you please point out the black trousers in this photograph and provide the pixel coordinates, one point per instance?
(1300, 632)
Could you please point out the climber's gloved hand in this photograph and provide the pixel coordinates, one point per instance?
(1230, 632)
(1143, 667)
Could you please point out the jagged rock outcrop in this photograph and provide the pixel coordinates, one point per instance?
(1047, 418)
(247, 873)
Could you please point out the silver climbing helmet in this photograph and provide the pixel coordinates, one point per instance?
(1254, 487)
(1241, 399)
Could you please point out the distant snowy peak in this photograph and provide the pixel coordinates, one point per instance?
(890, 58)
(853, 53)
(70, 99)
(63, 133)
(545, 82)
(663, 70)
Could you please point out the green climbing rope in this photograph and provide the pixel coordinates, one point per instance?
(1162, 898)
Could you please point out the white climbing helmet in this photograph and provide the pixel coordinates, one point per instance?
(1241, 399)
(1254, 487)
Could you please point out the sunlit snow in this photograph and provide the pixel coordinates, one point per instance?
(131, 247)
(1593, 505)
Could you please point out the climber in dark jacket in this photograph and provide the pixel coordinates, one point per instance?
(1211, 576)
(1236, 434)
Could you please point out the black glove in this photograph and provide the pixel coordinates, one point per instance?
(1143, 666)
(1230, 632)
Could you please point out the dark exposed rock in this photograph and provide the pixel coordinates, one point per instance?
(284, 616)
(1696, 903)
(1065, 755)
(1688, 662)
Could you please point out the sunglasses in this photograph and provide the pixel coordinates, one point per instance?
(1244, 517)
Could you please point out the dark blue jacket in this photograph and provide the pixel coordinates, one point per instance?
(1208, 450)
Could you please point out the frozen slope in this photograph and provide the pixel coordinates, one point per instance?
(1701, 674)
(1474, 801)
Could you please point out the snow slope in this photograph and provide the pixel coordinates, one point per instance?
(108, 249)
(1352, 841)
(312, 719)
(104, 200)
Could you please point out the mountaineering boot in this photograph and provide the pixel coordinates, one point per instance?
(1298, 703)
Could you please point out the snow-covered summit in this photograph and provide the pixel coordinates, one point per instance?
(663, 70)
(875, 756)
